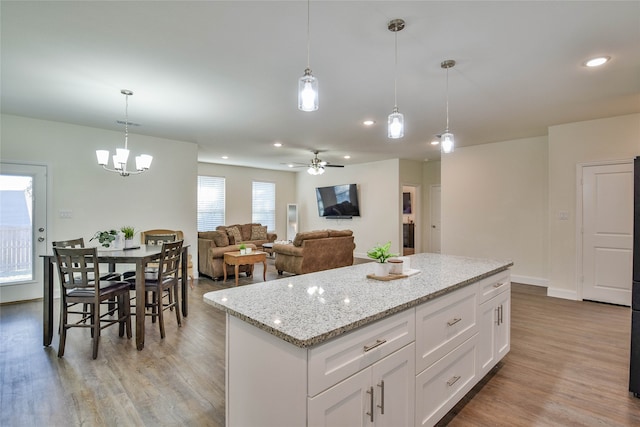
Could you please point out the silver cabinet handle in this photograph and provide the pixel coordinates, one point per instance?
(497, 285)
(454, 321)
(453, 380)
(370, 391)
(501, 314)
(381, 405)
(372, 346)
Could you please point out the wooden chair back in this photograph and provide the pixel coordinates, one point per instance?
(77, 267)
(159, 239)
(169, 263)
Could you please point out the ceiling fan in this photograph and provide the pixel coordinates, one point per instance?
(316, 166)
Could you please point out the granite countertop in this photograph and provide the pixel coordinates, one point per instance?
(309, 309)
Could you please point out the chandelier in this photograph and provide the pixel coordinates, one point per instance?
(143, 161)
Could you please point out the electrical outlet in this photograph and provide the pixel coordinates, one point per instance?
(563, 216)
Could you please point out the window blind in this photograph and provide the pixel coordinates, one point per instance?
(211, 194)
(263, 204)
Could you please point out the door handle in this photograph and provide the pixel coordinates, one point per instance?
(40, 239)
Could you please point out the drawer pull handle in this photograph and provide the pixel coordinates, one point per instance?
(370, 391)
(497, 285)
(381, 405)
(454, 321)
(453, 380)
(377, 344)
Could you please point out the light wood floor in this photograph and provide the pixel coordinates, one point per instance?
(568, 366)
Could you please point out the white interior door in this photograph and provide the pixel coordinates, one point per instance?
(23, 230)
(434, 202)
(607, 237)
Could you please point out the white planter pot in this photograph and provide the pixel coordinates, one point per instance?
(243, 251)
(128, 243)
(381, 269)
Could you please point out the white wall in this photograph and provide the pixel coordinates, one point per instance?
(494, 205)
(380, 199)
(238, 182)
(163, 197)
(570, 144)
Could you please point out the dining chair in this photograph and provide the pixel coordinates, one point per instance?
(76, 269)
(79, 243)
(164, 285)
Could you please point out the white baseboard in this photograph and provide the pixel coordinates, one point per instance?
(562, 293)
(528, 280)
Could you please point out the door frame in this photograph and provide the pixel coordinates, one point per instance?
(431, 188)
(32, 289)
(417, 213)
(579, 211)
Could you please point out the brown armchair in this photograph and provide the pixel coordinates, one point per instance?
(315, 251)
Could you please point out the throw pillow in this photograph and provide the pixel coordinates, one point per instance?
(221, 239)
(258, 232)
(234, 235)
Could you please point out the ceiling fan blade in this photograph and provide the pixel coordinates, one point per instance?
(329, 165)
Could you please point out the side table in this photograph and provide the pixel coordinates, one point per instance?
(236, 259)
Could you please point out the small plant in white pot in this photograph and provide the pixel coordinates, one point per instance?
(381, 253)
(243, 248)
(128, 233)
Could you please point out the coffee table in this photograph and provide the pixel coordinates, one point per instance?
(236, 259)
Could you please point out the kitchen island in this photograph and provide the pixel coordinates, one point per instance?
(338, 348)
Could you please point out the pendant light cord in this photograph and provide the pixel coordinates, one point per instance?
(447, 128)
(308, 33)
(395, 73)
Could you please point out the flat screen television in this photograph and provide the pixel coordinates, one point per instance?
(338, 201)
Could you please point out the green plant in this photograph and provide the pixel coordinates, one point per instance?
(105, 237)
(128, 232)
(381, 252)
(242, 246)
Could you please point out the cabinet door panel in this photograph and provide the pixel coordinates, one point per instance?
(345, 404)
(394, 383)
(503, 332)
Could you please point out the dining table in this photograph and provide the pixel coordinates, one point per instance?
(140, 256)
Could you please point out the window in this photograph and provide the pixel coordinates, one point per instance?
(210, 202)
(263, 204)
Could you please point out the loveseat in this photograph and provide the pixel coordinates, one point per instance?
(315, 251)
(227, 238)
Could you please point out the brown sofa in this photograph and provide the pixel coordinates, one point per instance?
(213, 244)
(315, 251)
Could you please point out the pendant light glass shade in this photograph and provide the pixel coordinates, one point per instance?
(395, 124)
(448, 143)
(307, 92)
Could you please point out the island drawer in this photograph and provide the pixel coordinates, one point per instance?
(493, 285)
(335, 360)
(443, 324)
(444, 383)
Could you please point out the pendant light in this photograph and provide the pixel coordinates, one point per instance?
(143, 162)
(395, 122)
(448, 143)
(307, 84)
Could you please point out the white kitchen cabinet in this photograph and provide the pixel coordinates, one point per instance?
(380, 395)
(495, 325)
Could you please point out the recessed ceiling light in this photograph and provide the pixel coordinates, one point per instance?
(596, 62)
(290, 165)
(277, 144)
(225, 157)
(369, 122)
(347, 156)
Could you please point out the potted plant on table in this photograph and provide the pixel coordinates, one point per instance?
(243, 248)
(381, 253)
(128, 233)
(105, 237)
